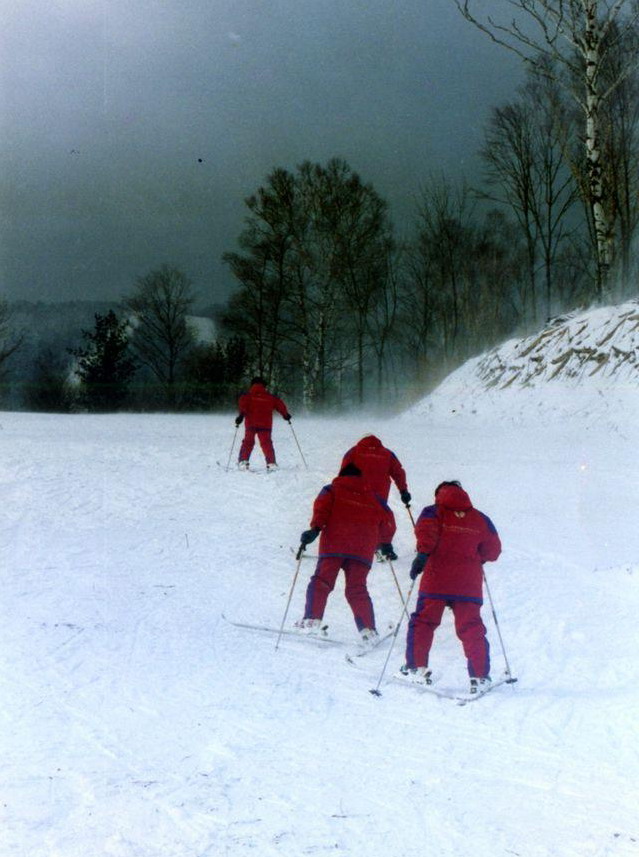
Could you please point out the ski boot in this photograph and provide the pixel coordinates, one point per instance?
(419, 675)
(480, 685)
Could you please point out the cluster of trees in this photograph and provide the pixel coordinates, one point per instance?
(145, 356)
(332, 307)
(337, 308)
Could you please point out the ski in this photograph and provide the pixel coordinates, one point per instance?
(234, 468)
(455, 696)
(316, 556)
(289, 632)
(362, 650)
(473, 697)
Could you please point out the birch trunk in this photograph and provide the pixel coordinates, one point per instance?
(601, 222)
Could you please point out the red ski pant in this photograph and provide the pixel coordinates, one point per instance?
(468, 625)
(264, 437)
(322, 584)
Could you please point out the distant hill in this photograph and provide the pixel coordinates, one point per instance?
(48, 330)
(44, 322)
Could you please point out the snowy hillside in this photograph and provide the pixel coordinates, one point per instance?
(586, 362)
(137, 722)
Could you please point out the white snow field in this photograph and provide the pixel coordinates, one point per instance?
(136, 722)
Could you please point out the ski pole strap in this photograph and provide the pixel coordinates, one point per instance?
(301, 550)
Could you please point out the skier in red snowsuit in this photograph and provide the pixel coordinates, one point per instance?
(453, 541)
(257, 408)
(353, 522)
(379, 465)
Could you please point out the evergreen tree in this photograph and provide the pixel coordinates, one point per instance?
(104, 367)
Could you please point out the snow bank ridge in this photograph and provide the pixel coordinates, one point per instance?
(584, 364)
(601, 342)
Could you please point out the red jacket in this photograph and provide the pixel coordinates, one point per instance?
(257, 407)
(458, 539)
(352, 519)
(378, 465)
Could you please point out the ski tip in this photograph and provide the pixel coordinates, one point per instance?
(375, 692)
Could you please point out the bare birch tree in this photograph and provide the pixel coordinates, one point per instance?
(573, 35)
(263, 268)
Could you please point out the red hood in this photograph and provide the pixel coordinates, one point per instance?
(452, 497)
(257, 388)
(369, 442)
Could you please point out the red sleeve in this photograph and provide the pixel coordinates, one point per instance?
(427, 530)
(243, 403)
(279, 406)
(387, 526)
(322, 507)
(490, 547)
(398, 474)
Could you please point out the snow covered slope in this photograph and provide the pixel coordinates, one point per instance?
(136, 722)
(586, 363)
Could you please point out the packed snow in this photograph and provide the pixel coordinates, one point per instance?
(138, 722)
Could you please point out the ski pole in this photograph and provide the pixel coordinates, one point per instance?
(298, 446)
(228, 463)
(376, 691)
(410, 515)
(510, 679)
(290, 594)
(401, 597)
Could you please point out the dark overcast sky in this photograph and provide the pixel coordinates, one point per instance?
(132, 130)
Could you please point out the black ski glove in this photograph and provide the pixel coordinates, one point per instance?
(406, 498)
(309, 536)
(387, 551)
(418, 565)
(239, 419)
(287, 417)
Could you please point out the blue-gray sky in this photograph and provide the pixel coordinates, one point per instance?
(131, 132)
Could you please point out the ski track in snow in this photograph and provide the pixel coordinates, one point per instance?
(135, 722)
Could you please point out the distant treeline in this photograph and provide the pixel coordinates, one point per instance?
(333, 308)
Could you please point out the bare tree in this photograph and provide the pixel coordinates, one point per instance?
(417, 304)
(382, 317)
(161, 334)
(315, 298)
(509, 157)
(445, 229)
(312, 257)
(362, 239)
(573, 35)
(524, 153)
